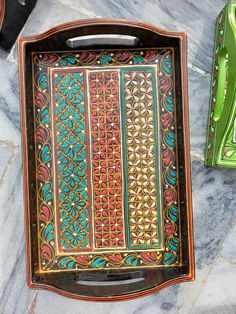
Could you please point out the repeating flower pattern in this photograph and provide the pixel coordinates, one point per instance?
(106, 159)
(71, 146)
(72, 161)
(64, 189)
(65, 219)
(70, 117)
(73, 203)
(148, 211)
(69, 86)
(62, 161)
(74, 235)
(72, 175)
(141, 162)
(62, 132)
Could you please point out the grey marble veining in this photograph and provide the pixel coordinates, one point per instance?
(5, 156)
(199, 88)
(214, 197)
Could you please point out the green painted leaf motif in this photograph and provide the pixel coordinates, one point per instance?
(61, 167)
(67, 263)
(43, 81)
(68, 60)
(66, 244)
(105, 59)
(44, 116)
(169, 258)
(172, 213)
(173, 244)
(47, 192)
(171, 177)
(81, 109)
(47, 230)
(174, 209)
(169, 108)
(131, 260)
(64, 62)
(48, 234)
(165, 69)
(78, 100)
(98, 262)
(58, 78)
(169, 139)
(168, 103)
(79, 77)
(45, 155)
(70, 264)
(138, 59)
(85, 243)
(167, 62)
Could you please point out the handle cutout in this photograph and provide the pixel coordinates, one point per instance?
(222, 82)
(109, 283)
(105, 39)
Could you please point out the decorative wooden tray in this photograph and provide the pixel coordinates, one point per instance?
(106, 159)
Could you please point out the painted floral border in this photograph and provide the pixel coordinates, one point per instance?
(48, 259)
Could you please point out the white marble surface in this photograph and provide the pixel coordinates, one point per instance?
(214, 196)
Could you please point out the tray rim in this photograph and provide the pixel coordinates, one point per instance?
(182, 36)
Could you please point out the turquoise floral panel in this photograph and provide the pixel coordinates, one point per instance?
(72, 161)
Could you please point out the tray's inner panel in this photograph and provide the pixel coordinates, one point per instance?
(106, 160)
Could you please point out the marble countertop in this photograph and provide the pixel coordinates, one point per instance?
(214, 196)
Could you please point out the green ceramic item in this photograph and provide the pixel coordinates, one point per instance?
(221, 136)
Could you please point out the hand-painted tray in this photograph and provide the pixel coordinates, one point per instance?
(106, 159)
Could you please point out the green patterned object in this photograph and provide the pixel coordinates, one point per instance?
(221, 136)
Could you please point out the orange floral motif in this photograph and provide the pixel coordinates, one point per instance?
(106, 159)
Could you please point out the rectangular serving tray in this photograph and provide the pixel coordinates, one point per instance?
(106, 159)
